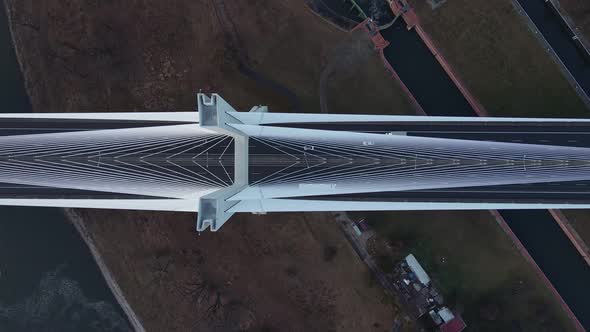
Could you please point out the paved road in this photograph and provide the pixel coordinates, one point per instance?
(548, 133)
(290, 158)
(11, 127)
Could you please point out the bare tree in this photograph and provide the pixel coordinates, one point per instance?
(211, 304)
(159, 270)
(199, 290)
(214, 309)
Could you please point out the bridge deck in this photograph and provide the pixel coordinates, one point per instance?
(308, 158)
(42, 166)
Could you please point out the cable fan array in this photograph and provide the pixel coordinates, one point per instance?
(405, 163)
(162, 161)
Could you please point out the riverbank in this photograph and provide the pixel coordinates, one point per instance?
(77, 221)
(560, 41)
(48, 280)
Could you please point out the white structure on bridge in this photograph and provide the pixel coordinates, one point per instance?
(218, 161)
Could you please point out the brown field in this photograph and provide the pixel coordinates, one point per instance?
(154, 56)
(270, 272)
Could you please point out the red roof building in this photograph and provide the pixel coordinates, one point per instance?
(455, 325)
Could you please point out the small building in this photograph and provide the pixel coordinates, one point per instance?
(357, 231)
(455, 325)
(443, 320)
(362, 225)
(417, 291)
(414, 285)
(417, 269)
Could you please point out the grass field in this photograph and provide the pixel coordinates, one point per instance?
(491, 48)
(579, 11)
(580, 219)
(476, 266)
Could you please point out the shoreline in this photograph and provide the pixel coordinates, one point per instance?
(72, 216)
(78, 223)
(569, 76)
(572, 234)
(537, 269)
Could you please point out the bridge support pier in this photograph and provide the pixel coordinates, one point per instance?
(214, 207)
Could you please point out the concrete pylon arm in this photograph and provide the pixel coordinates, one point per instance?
(214, 207)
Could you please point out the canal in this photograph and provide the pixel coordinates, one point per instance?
(422, 74)
(536, 229)
(48, 278)
(561, 39)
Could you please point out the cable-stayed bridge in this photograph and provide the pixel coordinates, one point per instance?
(217, 161)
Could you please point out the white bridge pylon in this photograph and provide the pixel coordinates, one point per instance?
(218, 161)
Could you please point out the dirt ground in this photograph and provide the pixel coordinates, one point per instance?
(278, 272)
(260, 273)
(502, 64)
(149, 55)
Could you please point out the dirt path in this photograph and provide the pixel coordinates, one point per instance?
(237, 53)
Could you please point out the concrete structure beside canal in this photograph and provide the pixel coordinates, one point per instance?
(218, 161)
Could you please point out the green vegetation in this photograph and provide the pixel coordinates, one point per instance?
(579, 11)
(580, 219)
(473, 262)
(493, 51)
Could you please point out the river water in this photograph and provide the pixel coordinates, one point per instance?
(48, 278)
